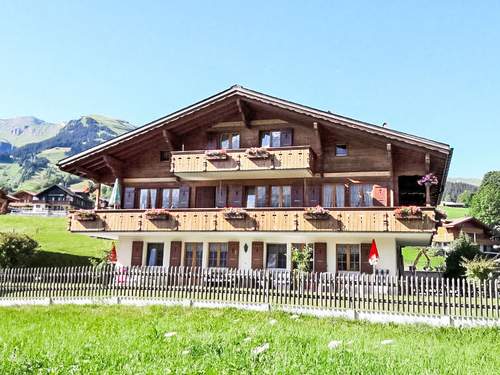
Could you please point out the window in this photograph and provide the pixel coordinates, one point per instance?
(147, 199)
(194, 254)
(128, 200)
(170, 198)
(276, 256)
(333, 195)
(276, 138)
(348, 258)
(281, 196)
(341, 150)
(164, 155)
(256, 196)
(361, 195)
(217, 254)
(229, 140)
(154, 256)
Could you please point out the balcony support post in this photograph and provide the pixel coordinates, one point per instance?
(97, 195)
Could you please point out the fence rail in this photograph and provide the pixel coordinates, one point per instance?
(405, 294)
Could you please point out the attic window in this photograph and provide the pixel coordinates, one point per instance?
(164, 156)
(341, 150)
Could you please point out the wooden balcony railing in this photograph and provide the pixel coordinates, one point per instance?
(374, 219)
(295, 161)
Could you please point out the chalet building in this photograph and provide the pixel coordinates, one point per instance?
(268, 160)
(60, 198)
(24, 200)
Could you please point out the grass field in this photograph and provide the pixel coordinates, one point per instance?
(126, 340)
(57, 245)
(455, 212)
(411, 252)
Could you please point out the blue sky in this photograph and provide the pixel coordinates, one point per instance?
(428, 68)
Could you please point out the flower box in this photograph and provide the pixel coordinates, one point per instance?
(257, 153)
(157, 214)
(408, 213)
(428, 180)
(216, 154)
(85, 215)
(316, 213)
(234, 213)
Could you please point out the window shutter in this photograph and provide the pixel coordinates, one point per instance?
(379, 195)
(136, 253)
(235, 196)
(313, 195)
(221, 196)
(297, 195)
(212, 143)
(365, 266)
(175, 253)
(233, 256)
(320, 257)
(184, 196)
(257, 255)
(286, 137)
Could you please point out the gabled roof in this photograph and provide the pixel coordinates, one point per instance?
(467, 219)
(237, 91)
(24, 191)
(65, 189)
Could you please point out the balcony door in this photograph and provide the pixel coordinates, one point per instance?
(205, 197)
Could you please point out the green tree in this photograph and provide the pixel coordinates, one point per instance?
(485, 204)
(466, 197)
(478, 269)
(461, 249)
(16, 250)
(301, 258)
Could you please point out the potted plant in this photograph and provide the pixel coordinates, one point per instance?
(428, 180)
(216, 154)
(85, 215)
(316, 213)
(234, 213)
(257, 153)
(157, 214)
(408, 213)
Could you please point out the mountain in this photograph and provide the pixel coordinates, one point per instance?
(30, 148)
(467, 180)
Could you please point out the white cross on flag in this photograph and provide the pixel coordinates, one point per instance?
(373, 256)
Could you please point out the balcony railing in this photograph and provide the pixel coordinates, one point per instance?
(295, 161)
(364, 219)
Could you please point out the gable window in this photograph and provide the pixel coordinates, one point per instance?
(281, 196)
(333, 195)
(164, 155)
(217, 254)
(256, 196)
(276, 256)
(193, 254)
(170, 198)
(147, 198)
(361, 195)
(341, 150)
(276, 138)
(229, 140)
(348, 258)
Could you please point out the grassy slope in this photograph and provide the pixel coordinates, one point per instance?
(57, 244)
(126, 340)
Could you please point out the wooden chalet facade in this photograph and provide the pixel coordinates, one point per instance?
(268, 159)
(59, 198)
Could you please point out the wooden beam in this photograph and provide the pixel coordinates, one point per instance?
(427, 163)
(244, 112)
(114, 164)
(97, 195)
(170, 139)
(319, 162)
(391, 172)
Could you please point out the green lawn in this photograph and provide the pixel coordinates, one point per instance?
(411, 252)
(454, 212)
(57, 245)
(127, 340)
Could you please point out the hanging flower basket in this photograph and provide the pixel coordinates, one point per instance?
(408, 213)
(157, 214)
(257, 153)
(85, 215)
(216, 154)
(234, 213)
(428, 180)
(316, 213)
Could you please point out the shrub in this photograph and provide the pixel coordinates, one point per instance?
(478, 269)
(301, 258)
(16, 249)
(462, 248)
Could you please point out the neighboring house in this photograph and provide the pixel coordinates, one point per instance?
(58, 198)
(5, 201)
(360, 172)
(24, 200)
(479, 232)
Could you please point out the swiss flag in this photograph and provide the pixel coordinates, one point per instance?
(373, 256)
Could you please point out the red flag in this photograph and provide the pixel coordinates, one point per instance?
(373, 256)
(112, 254)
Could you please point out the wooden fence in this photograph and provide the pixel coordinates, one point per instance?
(405, 294)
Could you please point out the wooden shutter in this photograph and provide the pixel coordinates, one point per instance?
(235, 196)
(379, 195)
(313, 195)
(221, 196)
(320, 257)
(286, 137)
(137, 253)
(233, 249)
(297, 195)
(212, 143)
(365, 267)
(257, 255)
(175, 253)
(184, 196)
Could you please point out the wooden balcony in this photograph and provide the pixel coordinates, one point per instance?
(283, 162)
(262, 220)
